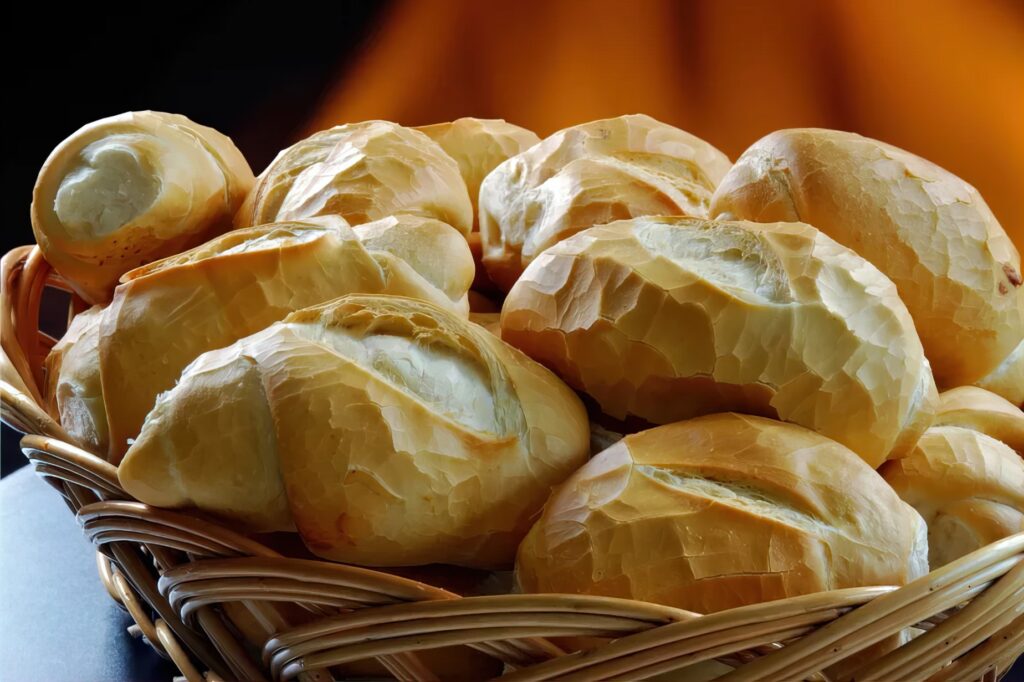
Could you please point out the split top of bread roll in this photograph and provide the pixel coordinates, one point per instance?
(718, 512)
(928, 230)
(132, 188)
(969, 488)
(988, 413)
(389, 430)
(478, 145)
(663, 319)
(74, 389)
(168, 313)
(361, 172)
(587, 175)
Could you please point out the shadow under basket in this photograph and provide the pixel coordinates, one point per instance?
(223, 606)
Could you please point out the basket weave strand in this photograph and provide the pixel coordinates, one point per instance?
(186, 579)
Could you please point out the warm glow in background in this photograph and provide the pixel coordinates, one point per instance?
(941, 78)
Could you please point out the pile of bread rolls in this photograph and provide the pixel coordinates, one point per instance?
(610, 358)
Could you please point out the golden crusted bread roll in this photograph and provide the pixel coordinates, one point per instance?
(361, 172)
(1007, 379)
(718, 512)
(74, 390)
(478, 145)
(929, 231)
(969, 488)
(389, 430)
(168, 313)
(988, 413)
(664, 319)
(412, 249)
(130, 189)
(587, 175)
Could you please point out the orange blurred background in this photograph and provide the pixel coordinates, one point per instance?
(941, 78)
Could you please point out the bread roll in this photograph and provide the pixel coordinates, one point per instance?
(988, 413)
(361, 172)
(1007, 379)
(587, 175)
(664, 319)
(925, 228)
(74, 390)
(168, 313)
(389, 430)
(718, 512)
(129, 189)
(969, 488)
(478, 145)
(412, 249)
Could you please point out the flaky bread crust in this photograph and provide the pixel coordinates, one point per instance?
(969, 488)
(200, 181)
(669, 318)
(1007, 379)
(478, 145)
(929, 231)
(168, 313)
(983, 411)
(721, 511)
(74, 389)
(590, 174)
(361, 172)
(397, 433)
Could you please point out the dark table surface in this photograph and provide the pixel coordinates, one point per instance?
(57, 622)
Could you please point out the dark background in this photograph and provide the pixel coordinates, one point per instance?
(255, 74)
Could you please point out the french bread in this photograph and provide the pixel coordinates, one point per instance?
(661, 319)
(478, 145)
(969, 488)
(74, 388)
(168, 313)
(586, 175)
(130, 189)
(929, 231)
(1007, 379)
(361, 172)
(975, 408)
(721, 511)
(389, 431)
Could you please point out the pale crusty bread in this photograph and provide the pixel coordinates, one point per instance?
(721, 511)
(590, 174)
(74, 390)
(168, 313)
(388, 430)
(478, 145)
(928, 230)
(969, 488)
(1007, 379)
(421, 248)
(978, 409)
(361, 172)
(129, 189)
(669, 318)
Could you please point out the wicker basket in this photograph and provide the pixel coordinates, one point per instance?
(189, 583)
